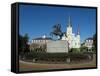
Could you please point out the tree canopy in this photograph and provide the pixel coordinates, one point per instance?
(23, 43)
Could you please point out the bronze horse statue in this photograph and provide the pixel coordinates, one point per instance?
(57, 31)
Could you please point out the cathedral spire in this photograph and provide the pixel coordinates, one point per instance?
(69, 21)
(78, 30)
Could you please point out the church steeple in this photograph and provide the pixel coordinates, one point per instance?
(69, 27)
(69, 22)
(78, 30)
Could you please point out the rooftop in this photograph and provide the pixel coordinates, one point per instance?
(90, 38)
(44, 37)
(40, 38)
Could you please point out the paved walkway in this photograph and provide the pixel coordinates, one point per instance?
(29, 66)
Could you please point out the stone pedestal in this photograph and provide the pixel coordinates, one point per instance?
(59, 46)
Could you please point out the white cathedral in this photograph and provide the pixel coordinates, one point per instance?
(72, 38)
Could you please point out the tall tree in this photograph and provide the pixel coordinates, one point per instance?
(95, 40)
(23, 43)
(20, 44)
(26, 45)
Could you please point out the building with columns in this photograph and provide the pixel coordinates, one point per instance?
(72, 38)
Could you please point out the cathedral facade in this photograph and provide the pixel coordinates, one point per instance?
(72, 38)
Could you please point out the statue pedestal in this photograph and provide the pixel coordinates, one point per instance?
(59, 46)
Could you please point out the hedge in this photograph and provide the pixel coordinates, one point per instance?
(32, 55)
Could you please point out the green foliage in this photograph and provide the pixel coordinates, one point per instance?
(95, 40)
(83, 44)
(38, 50)
(75, 50)
(23, 43)
(94, 49)
(60, 56)
(83, 49)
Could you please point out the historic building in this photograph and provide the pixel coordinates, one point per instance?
(72, 38)
(39, 42)
(89, 43)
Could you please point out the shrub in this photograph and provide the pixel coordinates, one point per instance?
(75, 50)
(94, 49)
(83, 49)
(55, 56)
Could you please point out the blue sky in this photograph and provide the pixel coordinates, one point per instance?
(38, 20)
